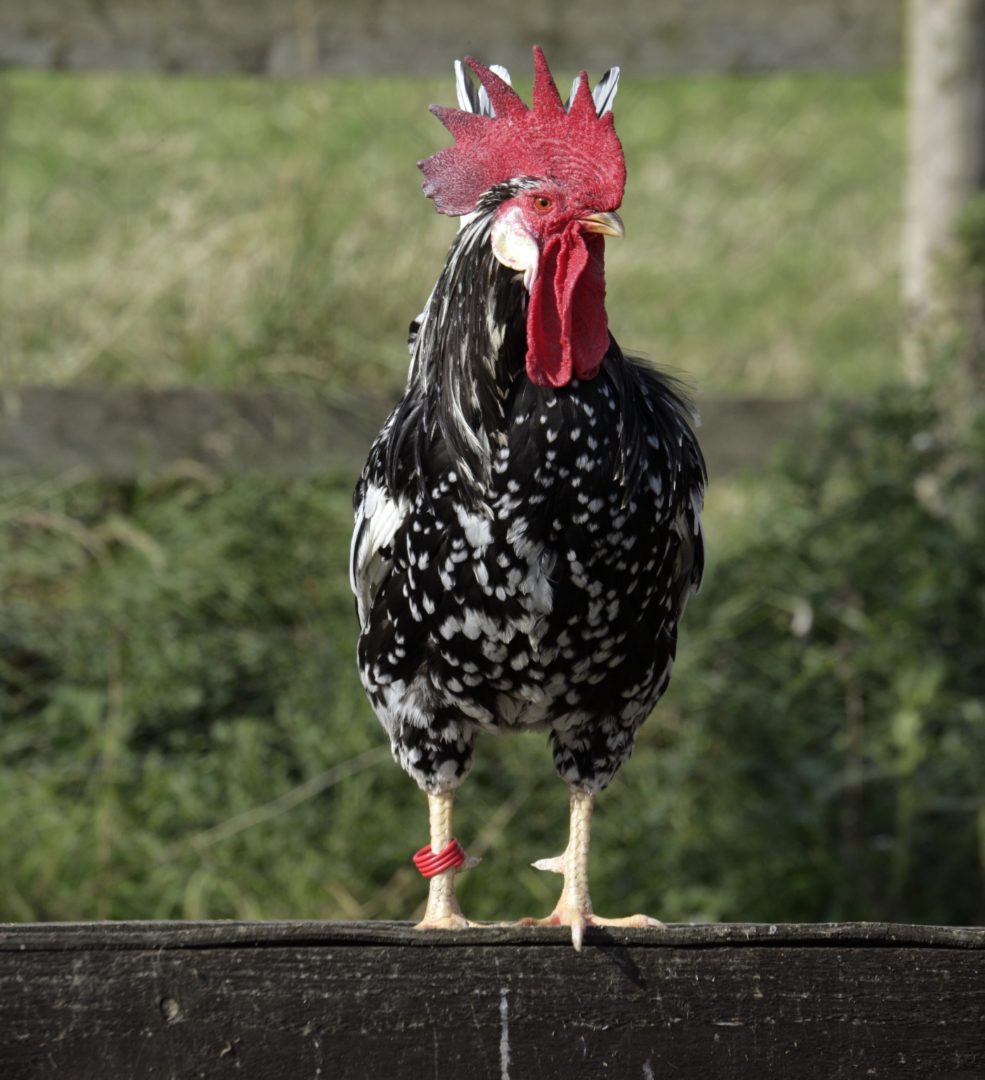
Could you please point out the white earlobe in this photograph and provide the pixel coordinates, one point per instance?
(513, 246)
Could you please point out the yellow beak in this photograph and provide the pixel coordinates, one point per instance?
(607, 222)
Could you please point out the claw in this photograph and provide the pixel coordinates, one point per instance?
(553, 865)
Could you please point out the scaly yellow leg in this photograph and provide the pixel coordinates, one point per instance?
(574, 908)
(443, 912)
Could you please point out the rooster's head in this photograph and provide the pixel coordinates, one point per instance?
(555, 177)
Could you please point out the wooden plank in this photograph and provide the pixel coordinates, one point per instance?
(268, 1000)
(307, 38)
(121, 433)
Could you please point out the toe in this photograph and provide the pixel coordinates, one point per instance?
(637, 922)
(550, 920)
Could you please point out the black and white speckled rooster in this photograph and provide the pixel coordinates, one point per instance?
(527, 524)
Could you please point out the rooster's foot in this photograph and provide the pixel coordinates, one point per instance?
(451, 921)
(578, 919)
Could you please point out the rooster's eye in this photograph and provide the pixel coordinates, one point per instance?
(542, 204)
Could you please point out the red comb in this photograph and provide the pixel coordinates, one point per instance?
(543, 141)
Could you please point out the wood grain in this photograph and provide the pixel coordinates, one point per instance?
(284, 1000)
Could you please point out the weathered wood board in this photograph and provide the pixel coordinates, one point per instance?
(292, 1000)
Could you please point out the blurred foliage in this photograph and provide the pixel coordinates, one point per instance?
(172, 657)
(183, 734)
(836, 669)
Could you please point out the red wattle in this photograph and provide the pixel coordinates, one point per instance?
(567, 329)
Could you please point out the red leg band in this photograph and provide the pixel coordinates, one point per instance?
(430, 864)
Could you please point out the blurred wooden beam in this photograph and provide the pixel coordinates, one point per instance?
(946, 162)
(122, 433)
(302, 38)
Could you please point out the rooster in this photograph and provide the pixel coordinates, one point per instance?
(527, 525)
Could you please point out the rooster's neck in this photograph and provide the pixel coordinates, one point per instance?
(470, 349)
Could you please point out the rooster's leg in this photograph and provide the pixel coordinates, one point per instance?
(443, 912)
(574, 908)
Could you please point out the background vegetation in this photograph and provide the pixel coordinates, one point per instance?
(233, 232)
(183, 734)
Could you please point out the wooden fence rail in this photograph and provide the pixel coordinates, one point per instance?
(325, 37)
(121, 433)
(291, 1000)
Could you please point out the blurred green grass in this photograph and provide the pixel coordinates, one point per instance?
(236, 232)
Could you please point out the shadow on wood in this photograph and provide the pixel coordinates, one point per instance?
(292, 1000)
